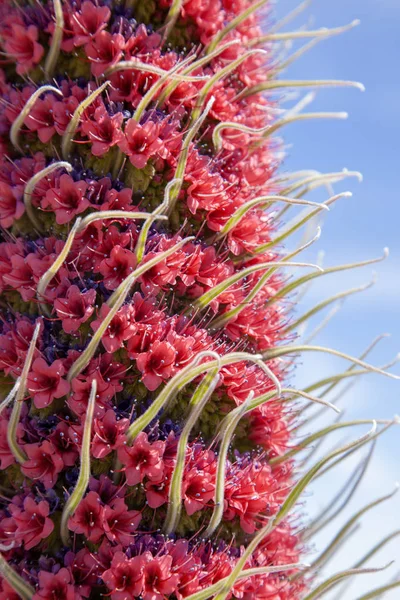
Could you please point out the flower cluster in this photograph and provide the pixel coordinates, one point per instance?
(136, 259)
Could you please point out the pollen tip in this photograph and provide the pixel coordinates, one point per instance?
(360, 86)
(385, 252)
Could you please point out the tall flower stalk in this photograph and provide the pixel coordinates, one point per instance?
(149, 443)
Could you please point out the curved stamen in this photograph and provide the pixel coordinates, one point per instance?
(213, 589)
(300, 221)
(334, 580)
(329, 270)
(68, 136)
(15, 448)
(179, 381)
(84, 471)
(204, 300)
(196, 405)
(295, 35)
(158, 213)
(232, 25)
(322, 433)
(227, 70)
(171, 18)
(19, 121)
(32, 183)
(200, 62)
(183, 156)
(79, 226)
(55, 45)
(137, 65)
(278, 84)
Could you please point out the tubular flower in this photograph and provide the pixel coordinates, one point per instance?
(148, 444)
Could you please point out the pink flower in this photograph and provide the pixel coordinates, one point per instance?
(115, 269)
(142, 459)
(103, 131)
(159, 580)
(41, 118)
(32, 522)
(120, 523)
(62, 440)
(198, 490)
(141, 142)
(23, 47)
(89, 21)
(45, 382)
(57, 585)
(68, 199)
(11, 205)
(124, 577)
(157, 364)
(43, 464)
(88, 518)
(104, 51)
(75, 308)
(108, 434)
(121, 328)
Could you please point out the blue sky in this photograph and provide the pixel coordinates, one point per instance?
(355, 229)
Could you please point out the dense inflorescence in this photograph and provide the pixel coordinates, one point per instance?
(143, 435)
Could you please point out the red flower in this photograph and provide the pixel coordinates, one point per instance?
(117, 268)
(43, 464)
(124, 577)
(142, 459)
(88, 518)
(62, 440)
(117, 200)
(45, 382)
(57, 585)
(11, 205)
(41, 118)
(67, 200)
(198, 490)
(89, 21)
(121, 328)
(157, 364)
(159, 580)
(108, 434)
(141, 142)
(119, 523)
(104, 51)
(104, 131)
(23, 47)
(32, 522)
(75, 308)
